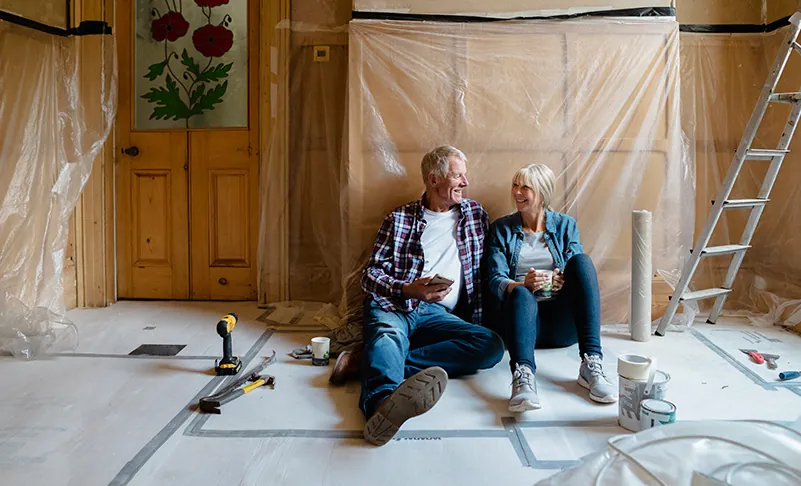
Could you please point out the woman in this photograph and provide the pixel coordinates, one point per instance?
(521, 248)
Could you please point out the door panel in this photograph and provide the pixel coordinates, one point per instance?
(224, 196)
(152, 216)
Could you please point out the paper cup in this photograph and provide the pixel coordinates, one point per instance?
(320, 350)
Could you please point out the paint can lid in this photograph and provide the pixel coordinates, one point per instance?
(658, 406)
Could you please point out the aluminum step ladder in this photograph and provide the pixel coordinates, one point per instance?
(745, 152)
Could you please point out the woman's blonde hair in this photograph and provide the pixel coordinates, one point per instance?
(540, 178)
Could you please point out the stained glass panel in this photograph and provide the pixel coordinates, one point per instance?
(190, 64)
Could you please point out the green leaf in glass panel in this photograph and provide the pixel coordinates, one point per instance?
(155, 70)
(168, 102)
(208, 100)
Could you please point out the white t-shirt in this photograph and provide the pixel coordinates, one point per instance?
(534, 253)
(442, 252)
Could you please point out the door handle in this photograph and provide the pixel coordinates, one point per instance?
(132, 151)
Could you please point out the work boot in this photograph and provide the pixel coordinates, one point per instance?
(415, 396)
(592, 377)
(347, 367)
(524, 390)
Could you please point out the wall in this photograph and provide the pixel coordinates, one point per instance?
(316, 122)
(50, 12)
(312, 274)
(777, 9)
(775, 255)
(722, 75)
(88, 278)
(611, 138)
(719, 11)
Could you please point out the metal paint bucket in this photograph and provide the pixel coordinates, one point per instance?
(632, 392)
(656, 412)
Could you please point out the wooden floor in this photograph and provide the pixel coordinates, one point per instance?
(100, 416)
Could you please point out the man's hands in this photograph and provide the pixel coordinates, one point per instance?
(420, 290)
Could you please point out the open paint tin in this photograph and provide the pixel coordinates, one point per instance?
(655, 412)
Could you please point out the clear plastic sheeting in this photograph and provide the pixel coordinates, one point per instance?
(628, 114)
(693, 454)
(597, 100)
(722, 76)
(57, 103)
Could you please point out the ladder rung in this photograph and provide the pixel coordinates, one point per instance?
(785, 97)
(704, 294)
(765, 154)
(724, 249)
(744, 203)
(797, 47)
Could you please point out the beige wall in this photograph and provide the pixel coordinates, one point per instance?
(719, 11)
(51, 12)
(721, 76)
(557, 104)
(316, 120)
(721, 79)
(777, 9)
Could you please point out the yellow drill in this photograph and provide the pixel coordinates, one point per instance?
(229, 364)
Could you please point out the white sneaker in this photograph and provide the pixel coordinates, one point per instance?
(592, 377)
(524, 391)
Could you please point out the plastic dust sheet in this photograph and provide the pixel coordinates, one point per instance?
(722, 75)
(57, 104)
(709, 453)
(595, 99)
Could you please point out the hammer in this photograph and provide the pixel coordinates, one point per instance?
(212, 404)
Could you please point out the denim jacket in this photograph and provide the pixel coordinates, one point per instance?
(506, 238)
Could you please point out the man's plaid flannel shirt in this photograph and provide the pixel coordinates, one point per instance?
(398, 255)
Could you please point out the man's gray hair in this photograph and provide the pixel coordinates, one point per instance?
(436, 162)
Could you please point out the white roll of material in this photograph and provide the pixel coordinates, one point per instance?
(640, 315)
(635, 366)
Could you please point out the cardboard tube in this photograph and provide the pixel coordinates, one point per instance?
(640, 315)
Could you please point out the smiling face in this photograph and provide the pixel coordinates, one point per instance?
(444, 192)
(526, 199)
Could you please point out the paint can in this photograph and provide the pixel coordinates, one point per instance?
(655, 412)
(638, 380)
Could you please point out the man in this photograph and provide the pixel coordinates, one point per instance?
(411, 327)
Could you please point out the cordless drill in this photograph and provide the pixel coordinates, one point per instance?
(229, 364)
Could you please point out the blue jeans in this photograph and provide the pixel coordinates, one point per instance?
(398, 345)
(573, 316)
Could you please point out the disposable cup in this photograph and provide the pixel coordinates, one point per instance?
(320, 351)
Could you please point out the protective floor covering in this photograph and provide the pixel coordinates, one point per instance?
(99, 416)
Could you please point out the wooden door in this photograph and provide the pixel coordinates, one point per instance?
(187, 150)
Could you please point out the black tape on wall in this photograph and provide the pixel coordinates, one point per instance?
(735, 28)
(628, 12)
(89, 27)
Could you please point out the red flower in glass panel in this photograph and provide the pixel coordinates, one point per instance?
(213, 40)
(172, 26)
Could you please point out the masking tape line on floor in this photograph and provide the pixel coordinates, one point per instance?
(134, 465)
